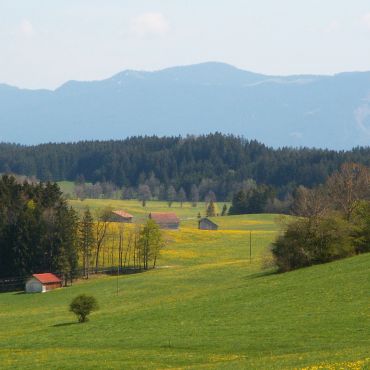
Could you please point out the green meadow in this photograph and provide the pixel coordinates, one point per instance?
(135, 207)
(208, 305)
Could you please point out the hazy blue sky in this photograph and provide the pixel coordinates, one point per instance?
(43, 43)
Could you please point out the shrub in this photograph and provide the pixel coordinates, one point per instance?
(308, 242)
(82, 306)
(361, 220)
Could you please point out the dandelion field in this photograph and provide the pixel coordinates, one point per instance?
(208, 306)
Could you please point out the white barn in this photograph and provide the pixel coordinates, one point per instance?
(41, 283)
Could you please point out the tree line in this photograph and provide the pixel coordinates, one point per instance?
(215, 162)
(39, 232)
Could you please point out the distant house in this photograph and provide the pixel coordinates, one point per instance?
(41, 283)
(121, 216)
(166, 220)
(207, 224)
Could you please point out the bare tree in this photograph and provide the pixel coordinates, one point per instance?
(210, 196)
(144, 194)
(103, 220)
(311, 202)
(348, 186)
(171, 195)
(194, 195)
(150, 243)
(181, 196)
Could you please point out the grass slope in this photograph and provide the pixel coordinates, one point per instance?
(211, 308)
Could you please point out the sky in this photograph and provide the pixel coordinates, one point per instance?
(45, 43)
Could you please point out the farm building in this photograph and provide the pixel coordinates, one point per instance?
(166, 220)
(121, 216)
(207, 224)
(41, 283)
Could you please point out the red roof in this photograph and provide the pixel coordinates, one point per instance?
(47, 278)
(123, 214)
(167, 217)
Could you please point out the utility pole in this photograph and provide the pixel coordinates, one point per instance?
(117, 278)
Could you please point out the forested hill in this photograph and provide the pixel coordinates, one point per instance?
(217, 162)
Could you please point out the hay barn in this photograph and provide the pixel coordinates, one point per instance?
(167, 220)
(41, 283)
(122, 216)
(207, 224)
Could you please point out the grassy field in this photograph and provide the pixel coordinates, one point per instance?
(135, 207)
(208, 307)
(67, 187)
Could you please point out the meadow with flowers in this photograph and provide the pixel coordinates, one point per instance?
(210, 304)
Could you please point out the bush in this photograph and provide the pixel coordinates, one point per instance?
(361, 220)
(82, 306)
(308, 242)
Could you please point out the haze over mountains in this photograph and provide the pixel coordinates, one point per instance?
(315, 111)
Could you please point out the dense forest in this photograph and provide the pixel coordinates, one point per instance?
(39, 232)
(215, 162)
(37, 229)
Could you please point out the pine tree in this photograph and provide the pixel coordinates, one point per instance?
(224, 210)
(86, 239)
(239, 204)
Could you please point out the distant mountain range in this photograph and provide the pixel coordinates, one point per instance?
(304, 110)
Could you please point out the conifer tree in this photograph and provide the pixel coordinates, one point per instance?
(86, 239)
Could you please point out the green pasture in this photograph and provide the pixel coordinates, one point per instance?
(67, 187)
(135, 207)
(207, 306)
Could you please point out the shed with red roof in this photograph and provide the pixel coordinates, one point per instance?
(41, 283)
(165, 220)
(121, 216)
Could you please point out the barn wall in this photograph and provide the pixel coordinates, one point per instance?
(173, 226)
(52, 286)
(204, 225)
(33, 286)
(116, 218)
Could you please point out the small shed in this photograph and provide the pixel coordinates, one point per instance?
(121, 216)
(206, 224)
(167, 220)
(41, 283)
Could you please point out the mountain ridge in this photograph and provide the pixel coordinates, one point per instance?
(299, 110)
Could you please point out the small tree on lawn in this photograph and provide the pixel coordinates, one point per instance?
(150, 242)
(194, 195)
(144, 194)
(171, 195)
(211, 209)
(82, 306)
(181, 196)
(224, 210)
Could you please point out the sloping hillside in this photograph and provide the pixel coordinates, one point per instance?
(209, 308)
